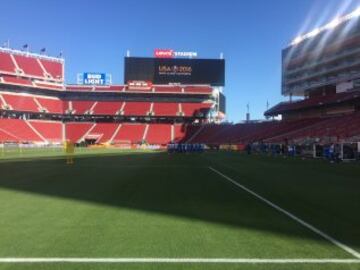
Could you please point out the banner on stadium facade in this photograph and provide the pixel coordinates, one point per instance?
(163, 53)
(169, 53)
(139, 85)
(94, 78)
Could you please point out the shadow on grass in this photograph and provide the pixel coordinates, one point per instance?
(179, 185)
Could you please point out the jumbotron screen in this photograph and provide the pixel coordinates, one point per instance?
(175, 70)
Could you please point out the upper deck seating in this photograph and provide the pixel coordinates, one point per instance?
(16, 63)
(29, 65)
(6, 63)
(53, 68)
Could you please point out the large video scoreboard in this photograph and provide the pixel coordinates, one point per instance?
(175, 70)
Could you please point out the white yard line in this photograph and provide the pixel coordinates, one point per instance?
(292, 216)
(180, 260)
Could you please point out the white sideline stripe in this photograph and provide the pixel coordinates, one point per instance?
(181, 260)
(302, 222)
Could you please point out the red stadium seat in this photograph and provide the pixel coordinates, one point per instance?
(22, 103)
(198, 89)
(51, 105)
(82, 107)
(75, 132)
(19, 130)
(8, 136)
(6, 63)
(276, 131)
(29, 65)
(168, 89)
(52, 131)
(131, 133)
(137, 108)
(54, 68)
(107, 108)
(166, 109)
(158, 134)
(32, 66)
(103, 132)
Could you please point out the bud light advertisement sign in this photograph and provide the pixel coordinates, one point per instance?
(91, 78)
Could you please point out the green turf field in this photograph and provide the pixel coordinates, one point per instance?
(121, 205)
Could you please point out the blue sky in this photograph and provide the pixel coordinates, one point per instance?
(94, 36)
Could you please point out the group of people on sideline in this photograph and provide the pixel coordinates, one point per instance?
(185, 148)
(331, 152)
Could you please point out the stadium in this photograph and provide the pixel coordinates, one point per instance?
(147, 174)
(44, 110)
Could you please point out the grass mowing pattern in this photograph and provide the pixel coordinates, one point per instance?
(158, 205)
